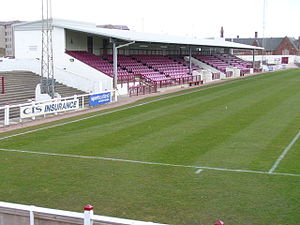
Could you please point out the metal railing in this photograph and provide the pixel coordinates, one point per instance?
(17, 214)
(12, 113)
(142, 90)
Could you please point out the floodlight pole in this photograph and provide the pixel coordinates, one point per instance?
(47, 67)
(115, 65)
(264, 30)
(115, 60)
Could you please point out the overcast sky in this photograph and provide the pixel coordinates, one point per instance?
(194, 18)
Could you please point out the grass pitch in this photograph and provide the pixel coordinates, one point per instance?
(235, 133)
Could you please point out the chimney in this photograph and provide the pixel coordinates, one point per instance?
(256, 34)
(222, 32)
(299, 43)
(238, 36)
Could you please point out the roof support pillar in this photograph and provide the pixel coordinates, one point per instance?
(115, 60)
(115, 65)
(190, 60)
(253, 58)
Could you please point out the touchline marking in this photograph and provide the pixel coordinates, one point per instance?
(118, 110)
(283, 154)
(147, 163)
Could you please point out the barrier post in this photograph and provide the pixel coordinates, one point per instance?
(2, 84)
(31, 215)
(219, 222)
(88, 213)
(55, 101)
(6, 115)
(32, 107)
(116, 97)
(75, 97)
(82, 101)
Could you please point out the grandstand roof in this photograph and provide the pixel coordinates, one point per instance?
(129, 35)
(111, 26)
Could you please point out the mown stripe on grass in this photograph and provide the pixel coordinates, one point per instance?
(143, 103)
(148, 163)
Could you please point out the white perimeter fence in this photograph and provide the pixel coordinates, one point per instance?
(17, 214)
(31, 110)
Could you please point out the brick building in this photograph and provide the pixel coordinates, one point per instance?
(7, 38)
(273, 46)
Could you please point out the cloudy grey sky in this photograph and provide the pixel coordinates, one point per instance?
(194, 18)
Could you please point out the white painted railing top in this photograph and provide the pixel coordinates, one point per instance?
(76, 215)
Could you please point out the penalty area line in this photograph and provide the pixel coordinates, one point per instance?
(283, 154)
(199, 168)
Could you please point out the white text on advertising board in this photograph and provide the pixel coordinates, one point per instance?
(99, 99)
(47, 108)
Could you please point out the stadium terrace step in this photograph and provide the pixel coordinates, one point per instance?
(20, 88)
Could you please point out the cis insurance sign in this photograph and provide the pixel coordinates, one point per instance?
(48, 108)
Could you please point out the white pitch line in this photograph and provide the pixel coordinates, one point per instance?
(283, 154)
(148, 163)
(199, 171)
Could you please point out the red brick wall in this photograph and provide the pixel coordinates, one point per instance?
(286, 45)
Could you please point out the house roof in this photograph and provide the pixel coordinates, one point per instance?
(294, 42)
(270, 44)
(4, 23)
(129, 35)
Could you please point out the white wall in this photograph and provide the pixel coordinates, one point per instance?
(28, 44)
(73, 72)
(271, 59)
(33, 65)
(67, 70)
(77, 74)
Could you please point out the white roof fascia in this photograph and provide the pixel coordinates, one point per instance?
(157, 38)
(136, 36)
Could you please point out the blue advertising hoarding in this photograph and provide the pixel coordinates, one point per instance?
(99, 99)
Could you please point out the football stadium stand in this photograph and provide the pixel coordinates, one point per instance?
(84, 55)
(161, 70)
(152, 68)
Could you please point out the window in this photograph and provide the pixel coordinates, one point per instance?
(285, 52)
